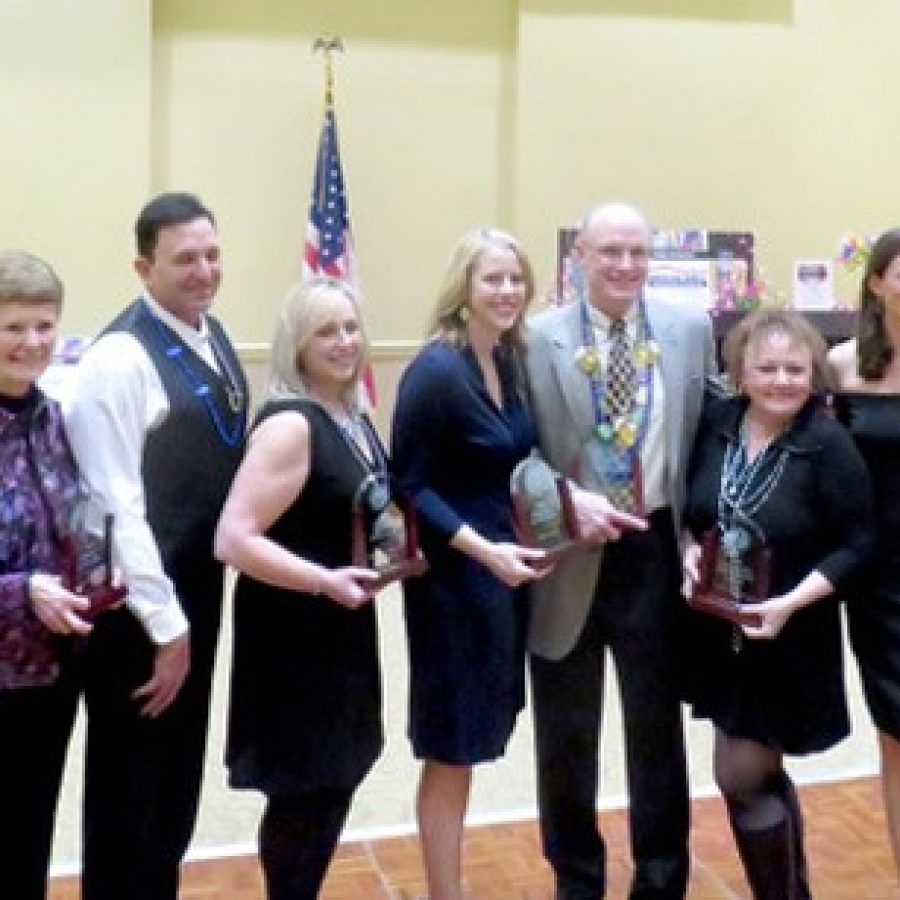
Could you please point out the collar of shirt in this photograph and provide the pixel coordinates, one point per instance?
(196, 338)
(601, 322)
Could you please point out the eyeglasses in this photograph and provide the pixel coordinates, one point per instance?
(616, 253)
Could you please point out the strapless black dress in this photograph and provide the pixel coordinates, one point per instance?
(873, 605)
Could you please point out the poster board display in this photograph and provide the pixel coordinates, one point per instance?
(713, 269)
(813, 284)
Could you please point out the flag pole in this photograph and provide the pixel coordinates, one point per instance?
(328, 44)
(329, 244)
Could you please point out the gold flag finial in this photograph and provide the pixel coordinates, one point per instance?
(328, 44)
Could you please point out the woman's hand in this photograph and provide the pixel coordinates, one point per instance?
(777, 610)
(690, 567)
(510, 563)
(513, 564)
(57, 608)
(773, 614)
(349, 586)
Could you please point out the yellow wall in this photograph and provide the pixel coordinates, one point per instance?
(75, 142)
(237, 113)
(769, 115)
(774, 116)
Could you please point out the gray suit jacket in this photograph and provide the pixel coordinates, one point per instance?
(564, 412)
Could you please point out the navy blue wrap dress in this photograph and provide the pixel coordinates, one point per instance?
(453, 451)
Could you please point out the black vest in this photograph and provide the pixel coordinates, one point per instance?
(190, 459)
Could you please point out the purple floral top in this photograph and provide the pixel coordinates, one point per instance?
(38, 491)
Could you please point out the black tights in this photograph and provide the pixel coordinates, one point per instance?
(743, 770)
(765, 817)
(298, 835)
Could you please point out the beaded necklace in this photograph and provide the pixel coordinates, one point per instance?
(231, 435)
(743, 488)
(624, 432)
(360, 437)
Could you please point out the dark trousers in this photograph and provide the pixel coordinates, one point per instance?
(142, 775)
(298, 835)
(635, 613)
(35, 726)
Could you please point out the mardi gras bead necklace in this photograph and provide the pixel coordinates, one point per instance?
(231, 433)
(624, 429)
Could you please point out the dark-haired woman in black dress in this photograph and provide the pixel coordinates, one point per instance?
(867, 371)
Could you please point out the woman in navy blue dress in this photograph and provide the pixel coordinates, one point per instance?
(461, 425)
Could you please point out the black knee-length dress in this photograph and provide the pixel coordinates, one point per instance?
(786, 693)
(305, 705)
(873, 608)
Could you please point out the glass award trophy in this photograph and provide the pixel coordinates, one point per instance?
(87, 568)
(385, 533)
(543, 514)
(735, 573)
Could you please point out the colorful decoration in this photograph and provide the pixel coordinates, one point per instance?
(645, 353)
(587, 359)
(622, 430)
(853, 251)
(755, 296)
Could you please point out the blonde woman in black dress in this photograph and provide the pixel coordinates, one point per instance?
(867, 372)
(304, 724)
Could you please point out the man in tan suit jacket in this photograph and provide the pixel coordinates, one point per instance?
(624, 595)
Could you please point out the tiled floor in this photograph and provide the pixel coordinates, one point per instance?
(846, 844)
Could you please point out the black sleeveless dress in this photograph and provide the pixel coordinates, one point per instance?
(873, 608)
(305, 705)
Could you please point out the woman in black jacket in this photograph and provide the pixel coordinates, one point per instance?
(771, 469)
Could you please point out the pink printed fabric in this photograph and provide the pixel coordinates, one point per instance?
(38, 491)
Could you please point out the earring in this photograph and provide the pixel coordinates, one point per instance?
(463, 313)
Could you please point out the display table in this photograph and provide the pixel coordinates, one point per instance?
(835, 325)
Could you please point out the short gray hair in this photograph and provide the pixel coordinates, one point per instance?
(25, 278)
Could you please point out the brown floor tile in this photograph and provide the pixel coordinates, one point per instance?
(846, 843)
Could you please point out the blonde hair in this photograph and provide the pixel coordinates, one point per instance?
(448, 320)
(25, 278)
(307, 306)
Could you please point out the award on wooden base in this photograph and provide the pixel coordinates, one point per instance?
(385, 535)
(87, 568)
(733, 576)
(543, 514)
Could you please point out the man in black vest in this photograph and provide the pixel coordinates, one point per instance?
(157, 421)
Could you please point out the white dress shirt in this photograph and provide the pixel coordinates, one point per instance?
(115, 400)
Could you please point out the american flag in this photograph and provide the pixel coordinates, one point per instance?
(329, 242)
